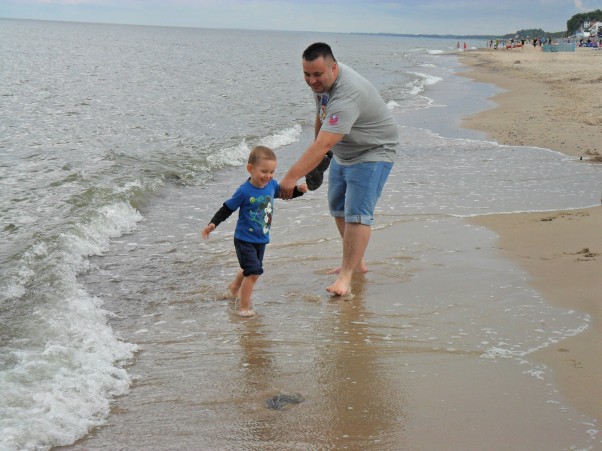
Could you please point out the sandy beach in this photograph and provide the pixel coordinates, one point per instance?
(553, 101)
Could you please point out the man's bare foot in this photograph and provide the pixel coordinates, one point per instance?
(339, 288)
(362, 269)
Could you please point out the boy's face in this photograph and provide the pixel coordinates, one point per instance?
(261, 172)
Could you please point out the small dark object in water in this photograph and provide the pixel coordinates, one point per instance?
(278, 402)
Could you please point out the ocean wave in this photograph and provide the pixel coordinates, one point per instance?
(392, 105)
(283, 138)
(417, 85)
(57, 393)
(230, 156)
(238, 155)
(64, 363)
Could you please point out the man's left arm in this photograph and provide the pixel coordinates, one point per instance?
(312, 156)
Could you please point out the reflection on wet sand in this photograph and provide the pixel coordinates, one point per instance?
(365, 407)
(349, 400)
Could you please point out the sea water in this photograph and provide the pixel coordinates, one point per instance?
(118, 143)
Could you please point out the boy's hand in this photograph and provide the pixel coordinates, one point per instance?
(303, 188)
(207, 230)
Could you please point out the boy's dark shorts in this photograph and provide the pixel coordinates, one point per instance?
(250, 257)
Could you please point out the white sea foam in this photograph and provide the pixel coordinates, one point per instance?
(93, 237)
(230, 156)
(238, 155)
(392, 104)
(499, 353)
(283, 138)
(55, 394)
(70, 368)
(417, 85)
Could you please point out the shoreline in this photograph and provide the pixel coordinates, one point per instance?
(552, 101)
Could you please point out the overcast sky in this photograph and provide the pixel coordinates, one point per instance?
(363, 16)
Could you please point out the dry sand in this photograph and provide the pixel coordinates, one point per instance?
(551, 100)
(554, 101)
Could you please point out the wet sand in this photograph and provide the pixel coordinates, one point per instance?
(554, 101)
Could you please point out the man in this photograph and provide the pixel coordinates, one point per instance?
(355, 123)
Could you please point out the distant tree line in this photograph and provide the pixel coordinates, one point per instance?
(534, 33)
(572, 26)
(574, 23)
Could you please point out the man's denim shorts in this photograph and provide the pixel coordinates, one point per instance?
(354, 190)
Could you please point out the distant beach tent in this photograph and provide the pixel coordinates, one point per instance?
(564, 47)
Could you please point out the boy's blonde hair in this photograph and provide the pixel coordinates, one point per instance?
(259, 152)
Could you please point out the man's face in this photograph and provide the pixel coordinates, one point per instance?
(320, 74)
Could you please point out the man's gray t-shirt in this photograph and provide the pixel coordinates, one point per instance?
(354, 108)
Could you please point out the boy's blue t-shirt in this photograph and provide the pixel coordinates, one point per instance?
(256, 209)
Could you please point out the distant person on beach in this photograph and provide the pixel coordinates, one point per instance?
(255, 201)
(355, 123)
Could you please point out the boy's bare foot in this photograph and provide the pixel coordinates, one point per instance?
(362, 269)
(244, 312)
(234, 290)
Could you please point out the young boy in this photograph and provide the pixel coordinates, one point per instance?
(255, 199)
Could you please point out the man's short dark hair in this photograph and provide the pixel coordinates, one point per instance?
(317, 50)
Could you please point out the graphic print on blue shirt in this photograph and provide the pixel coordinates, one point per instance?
(262, 215)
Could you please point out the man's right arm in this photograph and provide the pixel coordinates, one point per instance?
(308, 160)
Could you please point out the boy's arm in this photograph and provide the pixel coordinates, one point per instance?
(220, 216)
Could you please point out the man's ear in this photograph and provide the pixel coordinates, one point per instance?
(249, 167)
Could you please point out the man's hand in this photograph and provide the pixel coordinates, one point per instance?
(287, 185)
(311, 158)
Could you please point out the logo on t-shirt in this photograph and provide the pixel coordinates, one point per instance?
(333, 120)
(323, 98)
